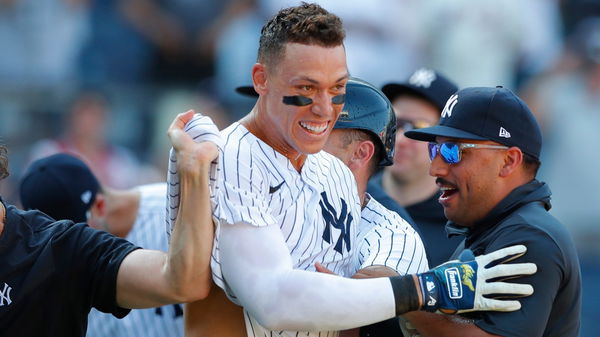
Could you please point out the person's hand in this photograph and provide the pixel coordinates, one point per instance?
(189, 153)
(322, 269)
(462, 286)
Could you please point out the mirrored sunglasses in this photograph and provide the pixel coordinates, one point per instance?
(451, 151)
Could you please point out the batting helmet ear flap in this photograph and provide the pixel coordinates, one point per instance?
(367, 108)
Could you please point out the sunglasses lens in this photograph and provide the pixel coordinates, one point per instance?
(450, 152)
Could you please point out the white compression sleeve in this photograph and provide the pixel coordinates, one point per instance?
(258, 269)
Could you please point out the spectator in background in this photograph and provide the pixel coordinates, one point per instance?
(486, 42)
(417, 103)
(63, 187)
(40, 42)
(85, 136)
(567, 102)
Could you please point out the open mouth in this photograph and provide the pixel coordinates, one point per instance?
(447, 192)
(314, 128)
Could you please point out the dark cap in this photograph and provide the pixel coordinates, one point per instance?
(426, 83)
(482, 113)
(61, 186)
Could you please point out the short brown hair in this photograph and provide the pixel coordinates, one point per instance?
(305, 24)
(3, 162)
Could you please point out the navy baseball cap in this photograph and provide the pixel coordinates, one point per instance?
(425, 83)
(484, 113)
(61, 186)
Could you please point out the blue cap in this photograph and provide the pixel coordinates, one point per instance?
(61, 186)
(426, 83)
(483, 113)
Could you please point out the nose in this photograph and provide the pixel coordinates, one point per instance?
(322, 105)
(438, 167)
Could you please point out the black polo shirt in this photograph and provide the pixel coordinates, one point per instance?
(522, 217)
(53, 272)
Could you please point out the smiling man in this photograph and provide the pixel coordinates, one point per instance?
(484, 155)
(282, 205)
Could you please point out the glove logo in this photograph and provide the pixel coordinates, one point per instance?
(430, 286)
(453, 282)
(431, 301)
(467, 277)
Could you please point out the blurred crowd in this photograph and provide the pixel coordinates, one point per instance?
(102, 78)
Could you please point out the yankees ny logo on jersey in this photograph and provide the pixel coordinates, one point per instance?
(5, 295)
(342, 223)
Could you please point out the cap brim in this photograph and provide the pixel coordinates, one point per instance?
(429, 134)
(391, 90)
(246, 90)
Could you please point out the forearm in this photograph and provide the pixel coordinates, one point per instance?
(149, 278)
(188, 266)
(262, 278)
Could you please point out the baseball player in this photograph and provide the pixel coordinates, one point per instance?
(363, 138)
(282, 205)
(64, 187)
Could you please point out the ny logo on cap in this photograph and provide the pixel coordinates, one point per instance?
(422, 78)
(5, 295)
(504, 133)
(86, 196)
(450, 104)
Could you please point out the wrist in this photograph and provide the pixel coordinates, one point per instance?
(406, 293)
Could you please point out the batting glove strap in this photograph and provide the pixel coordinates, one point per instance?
(449, 288)
(406, 294)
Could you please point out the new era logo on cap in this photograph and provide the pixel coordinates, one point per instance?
(504, 133)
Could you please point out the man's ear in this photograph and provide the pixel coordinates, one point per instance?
(362, 154)
(259, 78)
(513, 159)
(98, 208)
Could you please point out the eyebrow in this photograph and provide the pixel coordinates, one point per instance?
(308, 79)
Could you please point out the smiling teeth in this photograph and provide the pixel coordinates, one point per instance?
(316, 129)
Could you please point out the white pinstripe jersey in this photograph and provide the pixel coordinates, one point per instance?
(147, 232)
(386, 239)
(318, 209)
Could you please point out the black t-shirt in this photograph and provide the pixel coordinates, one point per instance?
(554, 309)
(53, 273)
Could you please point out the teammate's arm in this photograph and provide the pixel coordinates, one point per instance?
(149, 278)
(258, 269)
